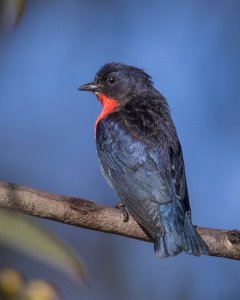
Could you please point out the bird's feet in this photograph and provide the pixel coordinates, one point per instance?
(121, 206)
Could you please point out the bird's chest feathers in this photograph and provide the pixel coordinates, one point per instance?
(108, 106)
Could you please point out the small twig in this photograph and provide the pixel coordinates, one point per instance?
(89, 215)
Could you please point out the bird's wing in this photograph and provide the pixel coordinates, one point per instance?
(138, 183)
(178, 176)
(143, 177)
(130, 167)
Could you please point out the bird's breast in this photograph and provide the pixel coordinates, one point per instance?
(109, 132)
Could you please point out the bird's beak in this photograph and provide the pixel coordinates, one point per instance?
(91, 87)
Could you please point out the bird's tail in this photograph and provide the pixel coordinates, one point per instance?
(180, 234)
(192, 241)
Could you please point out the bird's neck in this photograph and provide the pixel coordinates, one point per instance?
(108, 106)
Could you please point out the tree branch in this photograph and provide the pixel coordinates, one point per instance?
(89, 215)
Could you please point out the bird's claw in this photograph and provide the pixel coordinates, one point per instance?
(121, 206)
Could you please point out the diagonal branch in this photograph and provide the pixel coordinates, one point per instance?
(89, 215)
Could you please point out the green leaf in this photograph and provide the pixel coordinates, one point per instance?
(17, 231)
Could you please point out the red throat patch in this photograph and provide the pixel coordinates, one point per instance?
(108, 106)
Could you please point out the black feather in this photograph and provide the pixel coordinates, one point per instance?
(141, 157)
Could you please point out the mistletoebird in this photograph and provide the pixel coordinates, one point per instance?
(141, 157)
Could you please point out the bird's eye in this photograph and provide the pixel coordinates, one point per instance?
(111, 80)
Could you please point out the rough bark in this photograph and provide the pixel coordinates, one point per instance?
(87, 214)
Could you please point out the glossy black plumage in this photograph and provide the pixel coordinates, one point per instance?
(141, 158)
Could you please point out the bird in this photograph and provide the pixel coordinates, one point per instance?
(141, 157)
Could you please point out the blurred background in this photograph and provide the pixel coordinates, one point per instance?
(192, 51)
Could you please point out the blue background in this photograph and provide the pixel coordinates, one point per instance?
(191, 49)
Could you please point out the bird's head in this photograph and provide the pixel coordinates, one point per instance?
(115, 84)
(119, 82)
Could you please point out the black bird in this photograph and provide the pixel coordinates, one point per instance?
(141, 157)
